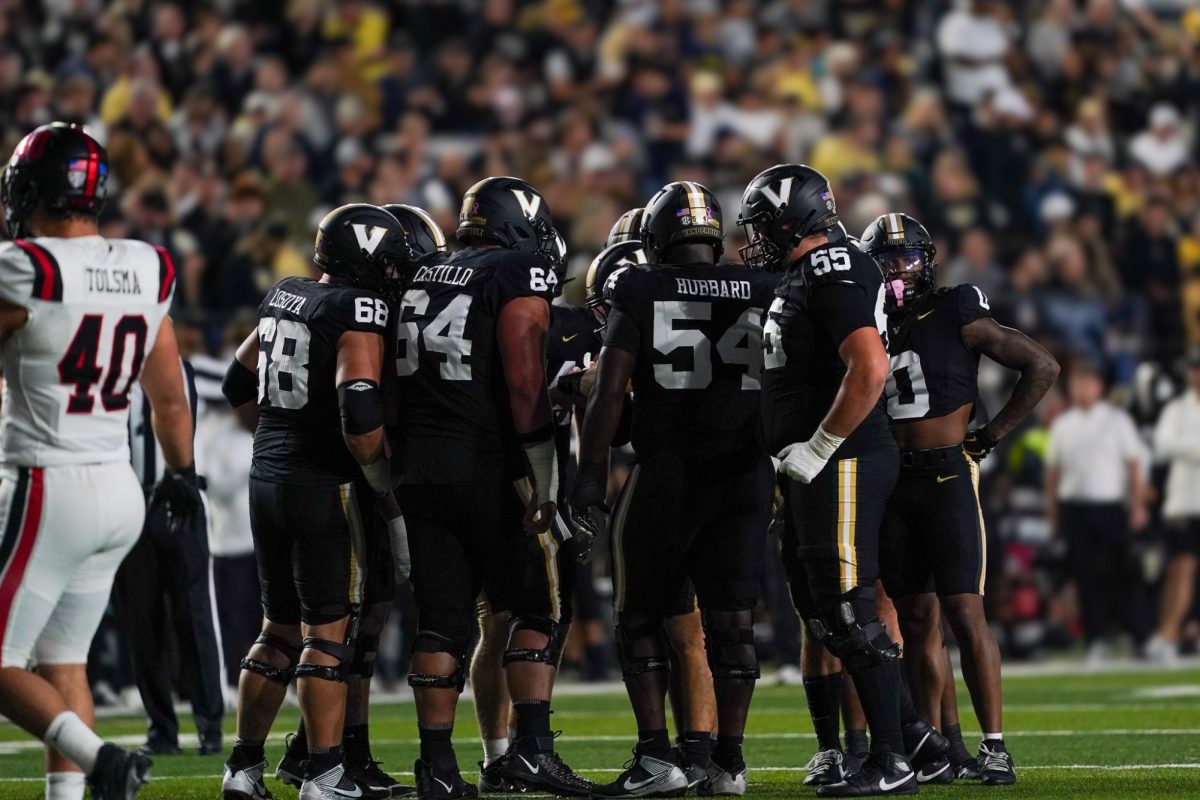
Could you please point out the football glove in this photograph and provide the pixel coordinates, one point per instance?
(803, 461)
(979, 443)
(589, 513)
(176, 505)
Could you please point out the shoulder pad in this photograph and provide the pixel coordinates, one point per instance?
(354, 308)
(972, 303)
(841, 263)
(627, 284)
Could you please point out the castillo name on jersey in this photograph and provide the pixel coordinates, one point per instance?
(811, 315)
(696, 331)
(299, 435)
(933, 371)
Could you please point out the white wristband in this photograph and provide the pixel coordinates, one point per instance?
(543, 466)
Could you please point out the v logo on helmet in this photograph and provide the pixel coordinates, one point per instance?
(529, 204)
(368, 240)
(785, 191)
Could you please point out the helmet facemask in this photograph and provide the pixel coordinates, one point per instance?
(908, 274)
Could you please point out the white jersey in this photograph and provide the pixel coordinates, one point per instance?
(95, 306)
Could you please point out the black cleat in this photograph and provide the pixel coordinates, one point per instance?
(377, 784)
(852, 762)
(491, 778)
(118, 773)
(825, 767)
(995, 764)
(966, 767)
(646, 776)
(925, 745)
(442, 781)
(939, 773)
(695, 773)
(156, 746)
(883, 775)
(291, 767)
(544, 772)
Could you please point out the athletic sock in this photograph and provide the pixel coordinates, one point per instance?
(958, 748)
(655, 742)
(824, 693)
(435, 741)
(908, 709)
(879, 689)
(65, 785)
(697, 748)
(247, 753)
(533, 727)
(995, 741)
(728, 752)
(856, 741)
(356, 740)
(323, 759)
(70, 736)
(494, 749)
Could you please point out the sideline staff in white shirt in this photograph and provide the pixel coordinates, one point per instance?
(1095, 495)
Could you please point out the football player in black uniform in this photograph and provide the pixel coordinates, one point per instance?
(627, 228)
(934, 520)
(475, 415)
(379, 592)
(320, 478)
(825, 365)
(686, 332)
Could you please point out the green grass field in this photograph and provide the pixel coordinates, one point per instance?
(1117, 735)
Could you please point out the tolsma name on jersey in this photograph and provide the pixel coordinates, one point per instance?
(738, 290)
(113, 281)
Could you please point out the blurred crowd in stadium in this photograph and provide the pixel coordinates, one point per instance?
(1048, 145)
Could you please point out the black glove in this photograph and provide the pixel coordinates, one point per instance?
(176, 505)
(589, 514)
(979, 443)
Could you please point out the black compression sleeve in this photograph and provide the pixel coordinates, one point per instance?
(362, 406)
(240, 384)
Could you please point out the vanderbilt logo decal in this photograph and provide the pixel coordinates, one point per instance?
(529, 203)
(368, 238)
(780, 197)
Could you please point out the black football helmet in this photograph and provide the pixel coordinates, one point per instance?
(57, 167)
(682, 211)
(781, 206)
(906, 255)
(424, 235)
(365, 245)
(513, 214)
(603, 269)
(627, 228)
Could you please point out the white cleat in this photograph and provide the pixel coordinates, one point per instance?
(646, 776)
(245, 784)
(333, 784)
(721, 782)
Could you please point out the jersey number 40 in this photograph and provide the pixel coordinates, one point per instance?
(81, 369)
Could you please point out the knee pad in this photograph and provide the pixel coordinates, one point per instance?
(851, 630)
(543, 625)
(642, 645)
(365, 647)
(729, 640)
(342, 653)
(281, 675)
(430, 642)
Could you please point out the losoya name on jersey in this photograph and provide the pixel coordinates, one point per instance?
(289, 302)
(739, 290)
(113, 281)
(455, 276)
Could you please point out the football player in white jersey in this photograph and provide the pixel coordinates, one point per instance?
(81, 319)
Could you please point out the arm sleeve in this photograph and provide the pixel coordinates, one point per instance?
(840, 309)
(973, 304)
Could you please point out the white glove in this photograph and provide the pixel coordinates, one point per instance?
(803, 461)
(402, 561)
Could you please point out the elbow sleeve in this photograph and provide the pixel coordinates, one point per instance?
(240, 385)
(361, 404)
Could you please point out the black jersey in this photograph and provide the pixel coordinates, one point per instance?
(573, 345)
(696, 332)
(299, 435)
(933, 371)
(823, 298)
(454, 419)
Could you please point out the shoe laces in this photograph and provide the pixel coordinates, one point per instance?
(994, 759)
(824, 761)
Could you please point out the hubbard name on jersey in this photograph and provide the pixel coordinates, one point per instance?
(95, 306)
(933, 371)
(299, 436)
(806, 325)
(453, 402)
(696, 333)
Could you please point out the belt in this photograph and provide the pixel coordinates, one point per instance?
(934, 457)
